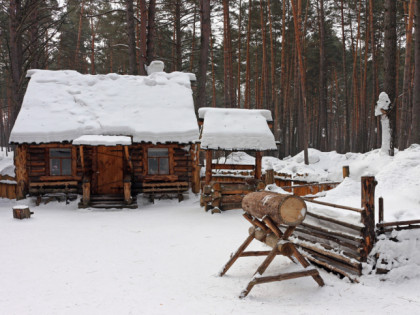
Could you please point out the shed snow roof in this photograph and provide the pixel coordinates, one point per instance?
(64, 105)
(236, 129)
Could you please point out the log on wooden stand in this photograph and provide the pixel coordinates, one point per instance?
(21, 212)
(282, 209)
(267, 231)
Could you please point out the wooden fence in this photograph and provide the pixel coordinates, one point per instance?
(7, 187)
(335, 244)
(230, 185)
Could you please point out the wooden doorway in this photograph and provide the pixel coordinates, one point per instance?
(110, 170)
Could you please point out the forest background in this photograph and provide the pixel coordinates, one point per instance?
(318, 65)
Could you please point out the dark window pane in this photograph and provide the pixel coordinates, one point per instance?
(158, 152)
(63, 153)
(55, 167)
(153, 166)
(65, 167)
(163, 166)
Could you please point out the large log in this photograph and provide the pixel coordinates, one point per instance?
(282, 209)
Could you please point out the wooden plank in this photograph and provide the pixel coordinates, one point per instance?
(165, 184)
(59, 178)
(232, 167)
(41, 184)
(333, 205)
(345, 224)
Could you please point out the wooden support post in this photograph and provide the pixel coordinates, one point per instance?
(381, 210)
(208, 166)
(127, 190)
(368, 214)
(269, 177)
(346, 171)
(267, 261)
(86, 191)
(21, 171)
(195, 176)
(258, 158)
(285, 276)
(237, 254)
(128, 158)
(82, 159)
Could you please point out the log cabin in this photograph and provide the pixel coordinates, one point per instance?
(229, 129)
(106, 137)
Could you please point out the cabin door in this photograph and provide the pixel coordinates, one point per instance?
(110, 170)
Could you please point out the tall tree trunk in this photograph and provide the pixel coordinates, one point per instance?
(415, 121)
(296, 20)
(239, 54)
(204, 52)
(230, 91)
(178, 47)
(151, 32)
(143, 36)
(390, 71)
(193, 40)
(248, 60)
(92, 46)
(132, 54)
(79, 37)
(16, 59)
(264, 72)
(404, 105)
(346, 99)
(323, 132)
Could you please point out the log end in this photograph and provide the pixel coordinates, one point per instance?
(293, 210)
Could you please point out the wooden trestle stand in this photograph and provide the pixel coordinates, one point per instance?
(266, 211)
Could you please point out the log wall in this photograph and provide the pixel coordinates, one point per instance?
(8, 187)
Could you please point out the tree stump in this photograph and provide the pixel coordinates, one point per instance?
(21, 212)
(282, 209)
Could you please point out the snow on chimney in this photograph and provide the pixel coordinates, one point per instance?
(155, 66)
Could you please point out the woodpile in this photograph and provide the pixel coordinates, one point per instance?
(223, 196)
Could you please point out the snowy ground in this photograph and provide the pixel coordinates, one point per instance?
(164, 259)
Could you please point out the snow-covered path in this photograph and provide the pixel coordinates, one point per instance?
(162, 259)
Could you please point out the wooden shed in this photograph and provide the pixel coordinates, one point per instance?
(107, 137)
(227, 129)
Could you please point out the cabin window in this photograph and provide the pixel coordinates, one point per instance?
(158, 161)
(60, 162)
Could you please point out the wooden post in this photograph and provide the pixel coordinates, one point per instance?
(208, 166)
(368, 214)
(21, 171)
(82, 159)
(258, 158)
(195, 178)
(86, 191)
(127, 190)
(346, 171)
(381, 210)
(269, 177)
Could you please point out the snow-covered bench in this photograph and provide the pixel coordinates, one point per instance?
(52, 190)
(166, 189)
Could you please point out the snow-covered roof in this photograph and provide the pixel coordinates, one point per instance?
(64, 105)
(102, 140)
(236, 129)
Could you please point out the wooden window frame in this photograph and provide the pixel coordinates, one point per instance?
(47, 176)
(61, 159)
(159, 177)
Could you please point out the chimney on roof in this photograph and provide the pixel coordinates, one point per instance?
(155, 66)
